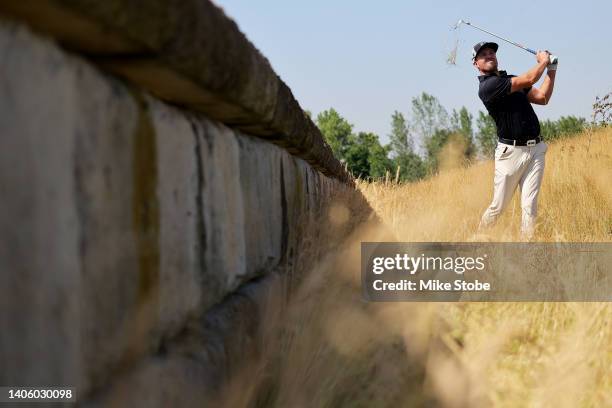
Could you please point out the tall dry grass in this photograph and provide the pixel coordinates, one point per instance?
(574, 206)
(336, 350)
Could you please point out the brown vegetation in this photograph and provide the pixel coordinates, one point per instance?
(334, 349)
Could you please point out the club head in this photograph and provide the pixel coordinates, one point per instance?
(458, 24)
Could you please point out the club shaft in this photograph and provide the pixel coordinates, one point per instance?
(501, 38)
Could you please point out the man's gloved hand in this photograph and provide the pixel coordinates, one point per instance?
(552, 66)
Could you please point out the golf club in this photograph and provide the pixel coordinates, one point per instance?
(553, 58)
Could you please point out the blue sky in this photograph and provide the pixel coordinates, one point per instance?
(367, 59)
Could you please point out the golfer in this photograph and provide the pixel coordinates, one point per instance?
(520, 151)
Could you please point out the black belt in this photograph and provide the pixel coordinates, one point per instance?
(512, 142)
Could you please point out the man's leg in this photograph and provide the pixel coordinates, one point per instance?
(530, 184)
(508, 170)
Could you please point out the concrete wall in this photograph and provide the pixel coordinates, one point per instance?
(189, 53)
(140, 242)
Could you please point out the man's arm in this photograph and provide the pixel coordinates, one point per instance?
(542, 96)
(533, 75)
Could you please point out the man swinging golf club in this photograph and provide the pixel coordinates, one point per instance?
(520, 152)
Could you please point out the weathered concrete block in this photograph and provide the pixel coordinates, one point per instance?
(181, 226)
(114, 150)
(222, 210)
(39, 223)
(265, 209)
(196, 366)
(158, 382)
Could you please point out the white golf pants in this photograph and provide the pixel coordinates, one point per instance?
(521, 166)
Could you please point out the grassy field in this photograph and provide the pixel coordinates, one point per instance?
(337, 350)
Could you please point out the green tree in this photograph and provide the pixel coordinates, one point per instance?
(569, 125)
(549, 129)
(564, 126)
(428, 116)
(336, 130)
(411, 165)
(433, 146)
(379, 160)
(400, 140)
(461, 123)
(366, 157)
(460, 153)
(486, 134)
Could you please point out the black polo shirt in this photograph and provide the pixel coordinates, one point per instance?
(512, 112)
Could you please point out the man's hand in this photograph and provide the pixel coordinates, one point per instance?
(532, 76)
(552, 67)
(543, 57)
